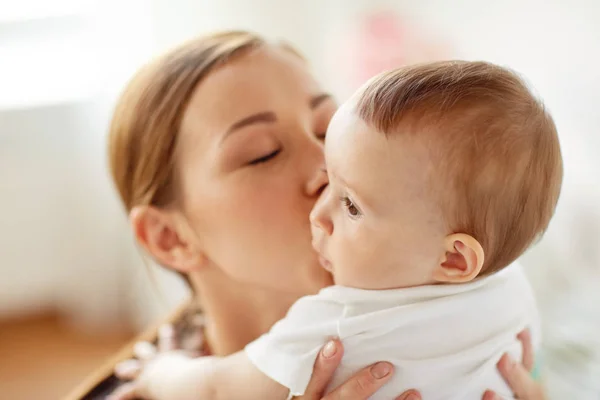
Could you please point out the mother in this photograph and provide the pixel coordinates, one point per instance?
(216, 151)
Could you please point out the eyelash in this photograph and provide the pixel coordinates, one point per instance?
(319, 135)
(264, 158)
(353, 211)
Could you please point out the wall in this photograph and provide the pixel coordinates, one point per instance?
(64, 242)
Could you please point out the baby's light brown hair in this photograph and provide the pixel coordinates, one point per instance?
(498, 166)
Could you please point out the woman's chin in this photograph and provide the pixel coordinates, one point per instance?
(322, 277)
(313, 279)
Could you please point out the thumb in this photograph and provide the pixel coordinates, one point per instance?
(128, 391)
(410, 395)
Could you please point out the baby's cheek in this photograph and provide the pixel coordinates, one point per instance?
(356, 256)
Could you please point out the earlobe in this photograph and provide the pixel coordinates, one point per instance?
(160, 236)
(462, 261)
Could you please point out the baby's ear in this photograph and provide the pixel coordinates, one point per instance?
(462, 261)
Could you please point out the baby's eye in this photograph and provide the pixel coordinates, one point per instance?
(352, 210)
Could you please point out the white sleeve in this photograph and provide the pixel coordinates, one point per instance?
(288, 352)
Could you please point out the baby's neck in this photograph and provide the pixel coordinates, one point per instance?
(236, 313)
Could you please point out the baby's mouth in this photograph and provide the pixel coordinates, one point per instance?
(325, 263)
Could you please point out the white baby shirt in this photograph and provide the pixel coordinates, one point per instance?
(443, 340)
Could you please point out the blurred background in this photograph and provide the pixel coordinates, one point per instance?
(73, 287)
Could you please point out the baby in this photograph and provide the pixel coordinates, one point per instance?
(441, 175)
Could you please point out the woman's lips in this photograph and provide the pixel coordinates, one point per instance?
(325, 263)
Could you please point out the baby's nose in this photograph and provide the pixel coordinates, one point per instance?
(319, 217)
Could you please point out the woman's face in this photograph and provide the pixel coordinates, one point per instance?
(250, 161)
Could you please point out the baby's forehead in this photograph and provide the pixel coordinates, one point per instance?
(348, 132)
(359, 149)
(407, 156)
(342, 129)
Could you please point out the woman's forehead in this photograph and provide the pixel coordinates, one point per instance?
(265, 78)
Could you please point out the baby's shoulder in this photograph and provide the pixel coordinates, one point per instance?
(320, 304)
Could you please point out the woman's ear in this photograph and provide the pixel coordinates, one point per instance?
(160, 234)
(462, 261)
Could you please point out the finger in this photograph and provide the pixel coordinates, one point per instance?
(128, 369)
(127, 391)
(410, 395)
(364, 383)
(528, 356)
(194, 343)
(489, 395)
(166, 338)
(145, 351)
(328, 360)
(518, 378)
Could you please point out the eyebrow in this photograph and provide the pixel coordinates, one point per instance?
(317, 100)
(270, 116)
(258, 118)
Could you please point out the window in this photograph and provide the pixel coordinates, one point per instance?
(55, 51)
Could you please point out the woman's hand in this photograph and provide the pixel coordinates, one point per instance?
(359, 387)
(151, 364)
(518, 376)
(367, 381)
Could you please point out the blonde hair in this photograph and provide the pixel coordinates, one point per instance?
(495, 148)
(145, 126)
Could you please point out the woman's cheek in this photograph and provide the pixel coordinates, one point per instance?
(274, 195)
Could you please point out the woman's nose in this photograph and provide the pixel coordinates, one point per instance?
(319, 216)
(313, 160)
(318, 182)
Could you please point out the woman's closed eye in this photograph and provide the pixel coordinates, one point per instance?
(350, 207)
(265, 158)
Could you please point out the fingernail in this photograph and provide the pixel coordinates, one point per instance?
(381, 370)
(508, 362)
(125, 367)
(330, 349)
(412, 396)
(489, 395)
(144, 349)
(166, 331)
(120, 370)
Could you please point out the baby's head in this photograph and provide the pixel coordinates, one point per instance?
(439, 173)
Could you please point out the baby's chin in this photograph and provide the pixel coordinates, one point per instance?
(319, 277)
